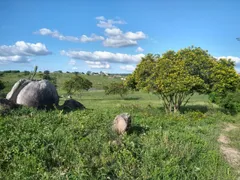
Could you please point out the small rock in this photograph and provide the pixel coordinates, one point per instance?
(122, 123)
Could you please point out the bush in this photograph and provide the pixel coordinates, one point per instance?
(116, 88)
(77, 83)
(231, 102)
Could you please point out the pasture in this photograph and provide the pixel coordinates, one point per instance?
(81, 145)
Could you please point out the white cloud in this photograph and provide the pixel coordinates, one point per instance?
(74, 68)
(118, 42)
(139, 49)
(72, 62)
(98, 65)
(135, 36)
(56, 34)
(116, 38)
(108, 23)
(92, 38)
(22, 51)
(103, 56)
(113, 32)
(102, 18)
(127, 67)
(14, 59)
(22, 48)
(233, 58)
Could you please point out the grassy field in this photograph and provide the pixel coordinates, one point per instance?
(81, 145)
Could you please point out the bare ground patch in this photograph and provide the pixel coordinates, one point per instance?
(232, 155)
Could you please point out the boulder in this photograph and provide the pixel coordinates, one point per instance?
(72, 104)
(39, 94)
(122, 123)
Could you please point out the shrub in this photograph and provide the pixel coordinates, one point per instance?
(77, 83)
(231, 102)
(116, 88)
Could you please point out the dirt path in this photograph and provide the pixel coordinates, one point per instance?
(231, 155)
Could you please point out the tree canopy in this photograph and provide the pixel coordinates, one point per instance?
(116, 88)
(176, 76)
(77, 84)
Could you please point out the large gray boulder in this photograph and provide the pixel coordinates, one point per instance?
(121, 123)
(39, 94)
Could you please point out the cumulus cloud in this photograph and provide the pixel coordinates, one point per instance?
(135, 36)
(98, 65)
(127, 67)
(14, 59)
(103, 56)
(22, 48)
(113, 32)
(56, 34)
(117, 42)
(108, 23)
(22, 51)
(116, 38)
(139, 49)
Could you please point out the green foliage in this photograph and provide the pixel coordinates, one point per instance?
(77, 84)
(52, 78)
(116, 88)
(80, 145)
(225, 83)
(26, 73)
(231, 102)
(224, 78)
(142, 73)
(176, 76)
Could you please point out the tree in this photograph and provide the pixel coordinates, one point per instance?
(176, 76)
(173, 82)
(77, 84)
(116, 88)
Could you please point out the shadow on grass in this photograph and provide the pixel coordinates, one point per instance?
(204, 109)
(137, 129)
(201, 108)
(131, 98)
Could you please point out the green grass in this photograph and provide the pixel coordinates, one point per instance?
(98, 81)
(81, 145)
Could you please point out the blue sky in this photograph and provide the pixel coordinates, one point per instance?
(112, 35)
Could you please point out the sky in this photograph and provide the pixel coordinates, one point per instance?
(112, 35)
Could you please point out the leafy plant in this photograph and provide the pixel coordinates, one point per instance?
(77, 84)
(116, 88)
(176, 76)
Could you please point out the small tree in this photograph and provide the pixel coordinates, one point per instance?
(77, 84)
(116, 88)
(176, 76)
